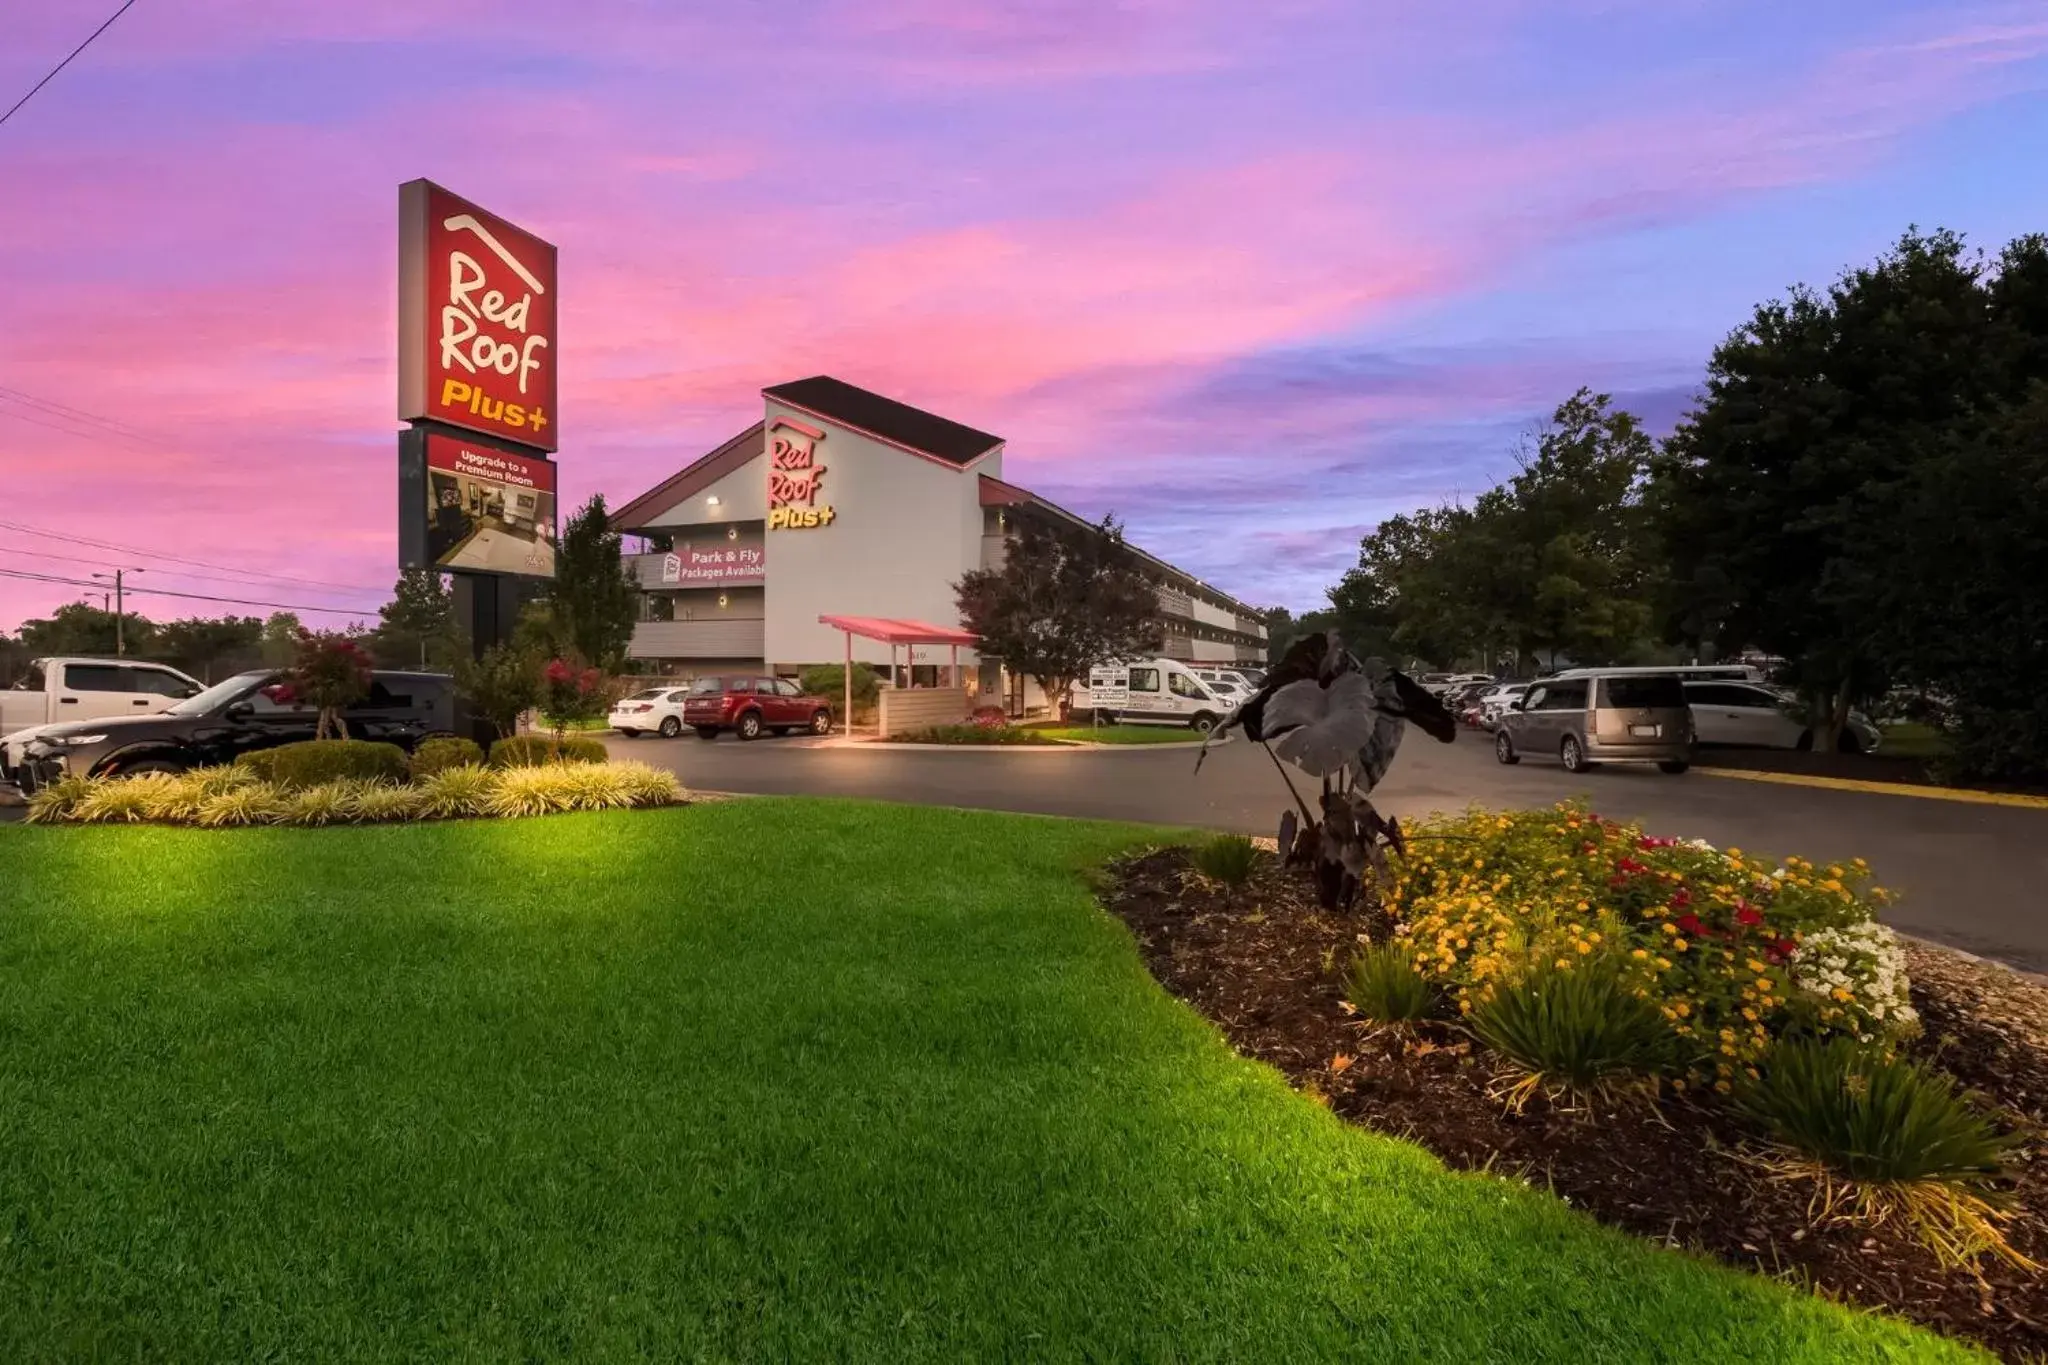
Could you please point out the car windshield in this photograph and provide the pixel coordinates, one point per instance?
(219, 695)
(649, 695)
(707, 687)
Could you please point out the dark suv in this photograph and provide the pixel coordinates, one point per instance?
(245, 713)
(748, 705)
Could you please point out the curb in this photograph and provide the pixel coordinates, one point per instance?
(1058, 747)
(1968, 795)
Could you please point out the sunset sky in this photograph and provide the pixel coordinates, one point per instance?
(1252, 276)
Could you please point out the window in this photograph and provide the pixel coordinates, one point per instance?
(707, 687)
(1658, 689)
(675, 696)
(1562, 696)
(382, 698)
(1144, 680)
(1181, 685)
(1720, 694)
(650, 694)
(785, 688)
(264, 701)
(158, 683)
(743, 686)
(95, 678)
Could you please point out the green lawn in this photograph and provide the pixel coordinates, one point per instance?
(1120, 734)
(1907, 739)
(760, 1080)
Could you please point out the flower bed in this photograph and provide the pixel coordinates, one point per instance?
(1486, 904)
(215, 798)
(973, 734)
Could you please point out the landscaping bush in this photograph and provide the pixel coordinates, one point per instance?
(316, 762)
(829, 680)
(565, 787)
(55, 802)
(1227, 858)
(973, 734)
(1386, 987)
(1886, 1136)
(438, 755)
(378, 802)
(529, 751)
(256, 803)
(121, 799)
(456, 792)
(1576, 1026)
(1734, 951)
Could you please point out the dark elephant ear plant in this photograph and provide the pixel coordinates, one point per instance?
(1339, 720)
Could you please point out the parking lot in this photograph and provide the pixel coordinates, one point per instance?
(1966, 875)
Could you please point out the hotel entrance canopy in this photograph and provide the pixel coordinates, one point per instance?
(893, 632)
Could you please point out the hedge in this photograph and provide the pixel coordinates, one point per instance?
(531, 751)
(439, 755)
(314, 761)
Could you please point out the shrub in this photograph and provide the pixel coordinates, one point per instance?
(534, 791)
(117, 799)
(375, 802)
(1227, 858)
(331, 671)
(254, 803)
(566, 787)
(56, 801)
(316, 762)
(1386, 987)
(438, 755)
(1576, 1027)
(457, 792)
(829, 680)
(989, 717)
(1885, 1136)
(179, 799)
(650, 786)
(571, 694)
(328, 803)
(528, 751)
(973, 734)
(1711, 936)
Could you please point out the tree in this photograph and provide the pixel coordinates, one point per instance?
(332, 672)
(572, 692)
(14, 659)
(207, 647)
(76, 628)
(1065, 599)
(501, 686)
(417, 627)
(1816, 413)
(592, 599)
(279, 642)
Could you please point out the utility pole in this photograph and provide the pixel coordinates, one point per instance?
(120, 609)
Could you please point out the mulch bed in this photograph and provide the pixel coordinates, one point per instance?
(1264, 964)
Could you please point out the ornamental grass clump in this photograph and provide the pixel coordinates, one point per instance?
(379, 802)
(55, 802)
(1228, 858)
(127, 799)
(533, 791)
(1385, 987)
(1735, 951)
(1882, 1137)
(649, 786)
(454, 793)
(256, 803)
(329, 803)
(1577, 1028)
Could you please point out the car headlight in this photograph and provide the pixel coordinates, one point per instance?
(67, 741)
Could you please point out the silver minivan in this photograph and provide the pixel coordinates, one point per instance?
(1586, 716)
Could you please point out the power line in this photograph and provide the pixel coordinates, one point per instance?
(98, 425)
(322, 583)
(191, 596)
(245, 581)
(67, 61)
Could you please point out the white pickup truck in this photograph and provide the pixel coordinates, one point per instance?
(58, 691)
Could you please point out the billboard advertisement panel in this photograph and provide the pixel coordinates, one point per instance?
(476, 319)
(474, 507)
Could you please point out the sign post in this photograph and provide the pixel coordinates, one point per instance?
(476, 385)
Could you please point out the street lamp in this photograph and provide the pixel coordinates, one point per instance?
(120, 611)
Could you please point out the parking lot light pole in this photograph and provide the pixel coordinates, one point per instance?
(120, 610)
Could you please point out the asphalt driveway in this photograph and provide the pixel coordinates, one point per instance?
(1967, 875)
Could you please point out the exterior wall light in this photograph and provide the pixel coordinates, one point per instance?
(711, 501)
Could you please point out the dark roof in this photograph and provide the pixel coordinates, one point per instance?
(697, 475)
(838, 401)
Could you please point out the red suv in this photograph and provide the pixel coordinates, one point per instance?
(747, 706)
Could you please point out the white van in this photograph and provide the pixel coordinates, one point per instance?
(1155, 692)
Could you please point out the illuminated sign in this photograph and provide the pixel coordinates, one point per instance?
(715, 563)
(795, 477)
(476, 319)
(471, 506)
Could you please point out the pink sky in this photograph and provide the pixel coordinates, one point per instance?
(1251, 276)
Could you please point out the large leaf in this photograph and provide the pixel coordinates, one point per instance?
(1321, 729)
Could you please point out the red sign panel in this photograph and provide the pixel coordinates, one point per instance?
(476, 319)
(488, 510)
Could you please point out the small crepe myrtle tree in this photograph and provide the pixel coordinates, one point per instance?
(330, 671)
(571, 691)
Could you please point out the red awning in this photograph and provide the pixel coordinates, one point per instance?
(893, 632)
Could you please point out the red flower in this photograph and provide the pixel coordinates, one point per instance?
(557, 671)
(1748, 915)
(1650, 841)
(1689, 923)
(1682, 899)
(1778, 949)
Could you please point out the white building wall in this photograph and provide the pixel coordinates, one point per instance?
(742, 496)
(1210, 615)
(904, 529)
(1213, 651)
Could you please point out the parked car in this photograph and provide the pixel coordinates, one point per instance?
(1757, 717)
(1496, 702)
(747, 705)
(658, 710)
(1226, 686)
(58, 691)
(1586, 716)
(1245, 680)
(245, 713)
(1155, 692)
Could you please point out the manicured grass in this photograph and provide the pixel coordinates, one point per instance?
(1908, 739)
(546, 725)
(1120, 734)
(765, 1080)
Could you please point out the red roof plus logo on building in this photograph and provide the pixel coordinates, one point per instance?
(795, 476)
(476, 327)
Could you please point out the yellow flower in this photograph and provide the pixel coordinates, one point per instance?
(1564, 964)
(1668, 927)
(1679, 944)
(1683, 1009)
(1639, 954)
(1584, 947)
(1663, 964)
